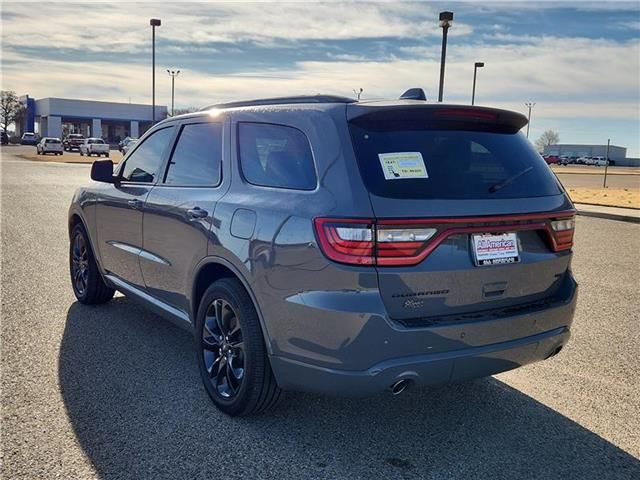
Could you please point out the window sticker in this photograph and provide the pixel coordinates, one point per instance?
(399, 165)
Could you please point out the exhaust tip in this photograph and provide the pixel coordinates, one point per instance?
(555, 351)
(400, 386)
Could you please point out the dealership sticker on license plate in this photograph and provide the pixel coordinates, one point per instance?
(495, 249)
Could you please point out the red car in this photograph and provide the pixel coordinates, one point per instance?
(551, 159)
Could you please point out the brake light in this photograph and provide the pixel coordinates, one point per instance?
(346, 241)
(466, 113)
(561, 233)
(408, 242)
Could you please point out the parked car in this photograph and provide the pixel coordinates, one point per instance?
(552, 159)
(564, 160)
(123, 144)
(599, 161)
(334, 246)
(5, 138)
(49, 145)
(29, 138)
(73, 142)
(130, 144)
(94, 146)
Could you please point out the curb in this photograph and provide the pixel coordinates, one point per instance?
(610, 216)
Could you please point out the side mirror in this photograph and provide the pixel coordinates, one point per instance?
(102, 171)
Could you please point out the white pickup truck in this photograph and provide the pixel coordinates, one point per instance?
(94, 146)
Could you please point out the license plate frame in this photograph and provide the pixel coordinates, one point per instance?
(491, 249)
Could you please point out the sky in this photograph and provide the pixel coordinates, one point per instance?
(578, 61)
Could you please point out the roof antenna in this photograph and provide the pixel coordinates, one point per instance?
(414, 94)
(358, 93)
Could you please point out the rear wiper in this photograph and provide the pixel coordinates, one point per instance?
(504, 183)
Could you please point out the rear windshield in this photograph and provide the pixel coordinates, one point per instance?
(95, 140)
(52, 140)
(410, 161)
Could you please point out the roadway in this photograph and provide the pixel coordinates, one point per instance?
(113, 391)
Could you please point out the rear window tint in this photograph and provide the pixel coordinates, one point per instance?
(276, 156)
(459, 164)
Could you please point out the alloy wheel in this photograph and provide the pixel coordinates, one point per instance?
(80, 264)
(223, 348)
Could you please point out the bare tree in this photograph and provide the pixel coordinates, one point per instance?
(550, 137)
(10, 108)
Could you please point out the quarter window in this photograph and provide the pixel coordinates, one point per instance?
(143, 164)
(276, 156)
(197, 156)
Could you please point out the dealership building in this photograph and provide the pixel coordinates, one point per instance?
(57, 117)
(616, 153)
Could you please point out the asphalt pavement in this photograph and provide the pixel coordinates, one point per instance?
(113, 391)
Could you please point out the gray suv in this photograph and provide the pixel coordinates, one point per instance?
(328, 245)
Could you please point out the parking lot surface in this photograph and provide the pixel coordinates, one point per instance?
(113, 391)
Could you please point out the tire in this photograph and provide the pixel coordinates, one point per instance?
(87, 283)
(257, 390)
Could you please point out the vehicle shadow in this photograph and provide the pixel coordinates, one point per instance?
(134, 397)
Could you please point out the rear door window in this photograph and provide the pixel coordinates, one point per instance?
(276, 156)
(462, 164)
(197, 157)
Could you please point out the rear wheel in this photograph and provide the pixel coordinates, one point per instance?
(232, 357)
(86, 279)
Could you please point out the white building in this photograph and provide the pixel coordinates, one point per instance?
(56, 117)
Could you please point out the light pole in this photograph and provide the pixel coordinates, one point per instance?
(529, 105)
(154, 22)
(173, 74)
(445, 22)
(476, 66)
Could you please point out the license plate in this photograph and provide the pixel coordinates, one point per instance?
(495, 249)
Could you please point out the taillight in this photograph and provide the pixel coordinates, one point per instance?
(562, 233)
(408, 242)
(362, 242)
(346, 241)
(401, 246)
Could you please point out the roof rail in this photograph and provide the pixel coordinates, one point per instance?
(283, 101)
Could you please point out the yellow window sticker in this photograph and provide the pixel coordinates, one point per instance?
(399, 165)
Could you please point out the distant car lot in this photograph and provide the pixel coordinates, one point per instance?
(112, 393)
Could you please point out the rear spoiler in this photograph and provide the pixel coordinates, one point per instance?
(418, 115)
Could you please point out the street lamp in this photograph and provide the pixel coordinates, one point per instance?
(446, 18)
(154, 22)
(529, 105)
(476, 66)
(173, 74)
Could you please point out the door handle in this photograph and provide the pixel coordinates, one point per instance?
(197, 212)
(135, 204)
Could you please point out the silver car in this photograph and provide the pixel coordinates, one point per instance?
(49, 145)
(329, 245)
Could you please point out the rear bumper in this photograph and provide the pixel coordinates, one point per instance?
(378, 354)
(434, 369)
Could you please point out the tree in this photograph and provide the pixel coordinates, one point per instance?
(550, 137)
(10, 108)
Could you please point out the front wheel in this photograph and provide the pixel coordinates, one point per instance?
(232, 357)
(86, 279)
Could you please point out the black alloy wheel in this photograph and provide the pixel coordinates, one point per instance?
(79, 264)
(223, 348)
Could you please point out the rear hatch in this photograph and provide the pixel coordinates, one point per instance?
(468, 216)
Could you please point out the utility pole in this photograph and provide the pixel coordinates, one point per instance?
(154, 22)
(445, 22)
(475, 71)
(173, 74)
(606, 165)
(529, 105)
